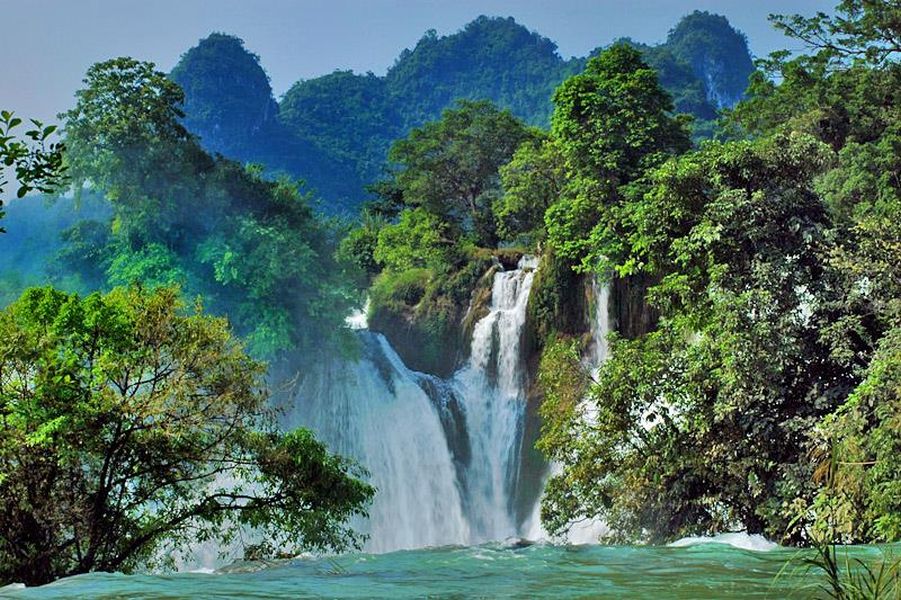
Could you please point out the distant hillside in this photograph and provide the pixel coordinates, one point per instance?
(334, 131)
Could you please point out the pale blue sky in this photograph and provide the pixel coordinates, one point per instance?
(47, 45)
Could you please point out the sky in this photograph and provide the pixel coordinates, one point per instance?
(47, 45)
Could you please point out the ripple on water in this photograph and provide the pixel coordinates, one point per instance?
(689, 570)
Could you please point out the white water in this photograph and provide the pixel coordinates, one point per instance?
(491, 388)
(587, 531)
(741, 540)
(443, 455)
(375, 411)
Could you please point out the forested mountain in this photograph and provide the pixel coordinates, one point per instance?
(334, 131)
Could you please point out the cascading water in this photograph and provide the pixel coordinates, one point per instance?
(375, 411)
(443, 454)
(491, 387)
(587, 531)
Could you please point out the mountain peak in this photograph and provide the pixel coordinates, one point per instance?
(228, 98)
(717, 52)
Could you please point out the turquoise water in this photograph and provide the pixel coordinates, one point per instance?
(491, 571)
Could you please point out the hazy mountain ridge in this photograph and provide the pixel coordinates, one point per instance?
(334, 131)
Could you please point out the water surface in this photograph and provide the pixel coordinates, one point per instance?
(488, 571)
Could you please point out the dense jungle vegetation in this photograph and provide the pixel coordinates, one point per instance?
(757, 386)
(334, 131)
(761, 389)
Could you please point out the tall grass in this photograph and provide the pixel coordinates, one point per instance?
(857, 578)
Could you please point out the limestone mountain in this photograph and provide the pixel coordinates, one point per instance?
(334, 131)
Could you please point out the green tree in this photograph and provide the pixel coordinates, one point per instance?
(133, 427)
(611, 122)
(450, 166)
(701, 424)
(252, 246)
(846, 94)
(859, 29)
(532, 181)
(418, 240)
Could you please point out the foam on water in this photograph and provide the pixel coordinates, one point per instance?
(741, 540)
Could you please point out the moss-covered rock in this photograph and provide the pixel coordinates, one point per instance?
(428, 316)
(557, 303)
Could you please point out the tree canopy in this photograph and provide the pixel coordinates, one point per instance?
(450, 166)
(252, 246)
(133, 427)
(761, 397)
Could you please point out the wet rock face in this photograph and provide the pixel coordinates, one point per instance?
(629, 312)
(426, 343)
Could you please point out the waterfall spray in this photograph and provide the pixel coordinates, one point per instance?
(443, 454)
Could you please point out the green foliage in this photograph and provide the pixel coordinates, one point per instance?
(37, 162)
(228, 100)
(556, 301)
(356, 250)
(856, 579)
(611, 123)
(253, 247)
(441, 200)
(613, 120)
(450, 167)
(859, 29)
(700, 424)
(347, 117)
(563, 381)
(335, 130)
(490, 58)
(230, 107)
(532, 181)
(421, 311)
(766, 398)
(133, 428)
(717, 53)
(858, 446)
(418, 240)
(400, 289)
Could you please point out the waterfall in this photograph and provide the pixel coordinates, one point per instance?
(587, 531)
(374, 410)
(491, 387)
(443, 454)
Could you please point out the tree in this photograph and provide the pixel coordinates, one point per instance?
(38, 163)
(253, 247)
(612, 122)
(860, 29)
(532, 181)
(133, 428)
(701, 424)
(845, 92)
(417, 240)
(450, 166)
